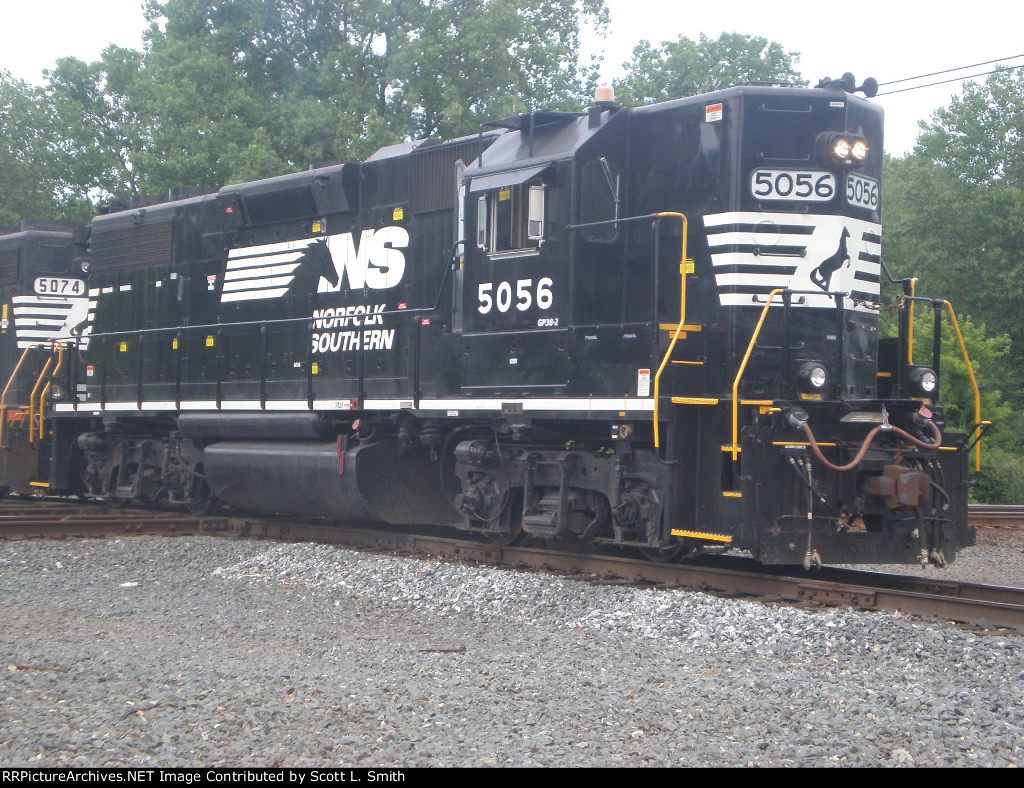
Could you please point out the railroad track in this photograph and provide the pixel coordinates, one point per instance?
(963, 603)
(996, 516)
(52, 520)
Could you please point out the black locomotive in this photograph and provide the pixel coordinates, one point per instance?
(655, 328)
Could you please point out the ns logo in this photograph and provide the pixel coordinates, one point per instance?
(377, 263)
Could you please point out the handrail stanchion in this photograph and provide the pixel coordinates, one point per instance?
(7, 390)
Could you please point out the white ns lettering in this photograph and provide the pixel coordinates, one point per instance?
(378, 263)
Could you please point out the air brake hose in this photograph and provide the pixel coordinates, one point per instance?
(850, 465)
(920, 443)
(867, 443)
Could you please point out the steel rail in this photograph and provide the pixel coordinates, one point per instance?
(927, 596)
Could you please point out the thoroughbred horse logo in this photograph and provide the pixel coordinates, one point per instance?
(272, 270)
(822, 275)
(315, 263)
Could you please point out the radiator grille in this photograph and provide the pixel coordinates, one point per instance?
(9, 266)
(432, 174)
(131, 246)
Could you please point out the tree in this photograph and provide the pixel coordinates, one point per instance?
(953, 215)
(25, 191)
(954, 220)
(1001, 479)
(205, 126)
(98, 128)
(228, 91)
(980, 135)
(686, 68)
(386, 70)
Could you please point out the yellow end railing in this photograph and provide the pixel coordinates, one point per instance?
(910, 322)
(36, 392)
(58, 348)
(40, 391)
(978, 423)
(683, 270)
(735, 447)
(7, 389)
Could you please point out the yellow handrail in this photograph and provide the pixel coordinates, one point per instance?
(910, 323)
(32, 401)
(735, 448)
(58, 348)
(7, 389)
(682, 320)
(974, 385)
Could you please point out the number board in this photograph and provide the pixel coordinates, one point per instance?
(862, 191)
(806, 185)
(59, 286)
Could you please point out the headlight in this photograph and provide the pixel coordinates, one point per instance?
(838, 147)
(923, 381)
(813, 376)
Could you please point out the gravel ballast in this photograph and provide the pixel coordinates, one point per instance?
(150, 652)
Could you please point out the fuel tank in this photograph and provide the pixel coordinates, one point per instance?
(260, 425)
(368, 482)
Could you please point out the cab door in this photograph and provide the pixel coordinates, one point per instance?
(515, 291)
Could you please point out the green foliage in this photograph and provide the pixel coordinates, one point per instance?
(24, 191)
(90, 103)
(365, 73)
(1002, 477)
(685, 67)
(234, 90)
(954, 218)
(962, 235)
(980, 136)
(987, 356)
(207, 128)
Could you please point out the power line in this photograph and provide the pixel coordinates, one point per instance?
(944, 81)
(948, 71)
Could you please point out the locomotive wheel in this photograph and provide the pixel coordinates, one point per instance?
(115, 501)
(203, 506)
(203, 502)
(511, 520)
(663, 555)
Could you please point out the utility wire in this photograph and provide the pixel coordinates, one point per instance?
(948, 71)
(942, 82)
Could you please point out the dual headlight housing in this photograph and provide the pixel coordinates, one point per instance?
(837, 147)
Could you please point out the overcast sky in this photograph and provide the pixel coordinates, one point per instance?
(888, 40)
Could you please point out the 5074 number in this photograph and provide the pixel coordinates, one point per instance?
(46, 285)
(501, 297)
(810, 186)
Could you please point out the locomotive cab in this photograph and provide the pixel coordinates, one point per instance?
(703, 275)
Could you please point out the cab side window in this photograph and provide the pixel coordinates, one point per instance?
(510, 219)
